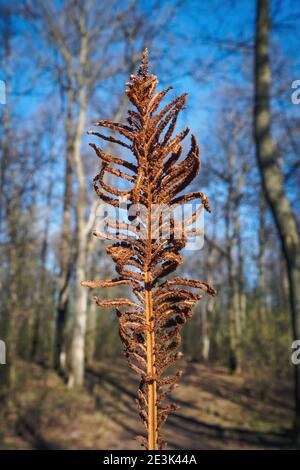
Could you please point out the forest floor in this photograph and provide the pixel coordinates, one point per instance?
(217, 411)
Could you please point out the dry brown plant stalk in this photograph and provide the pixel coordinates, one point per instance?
(150, 327)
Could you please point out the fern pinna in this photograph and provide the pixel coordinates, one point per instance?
(150, 326)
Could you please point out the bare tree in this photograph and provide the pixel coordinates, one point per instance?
(272, 177)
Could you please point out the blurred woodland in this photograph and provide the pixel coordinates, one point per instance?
(64, 63)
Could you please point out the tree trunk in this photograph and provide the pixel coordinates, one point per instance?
(261, 260)
(65, 254)
(232, 235)
(76, 376)
(272, 178)
(39, 315)
(207, 310)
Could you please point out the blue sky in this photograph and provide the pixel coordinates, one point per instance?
(197, 54)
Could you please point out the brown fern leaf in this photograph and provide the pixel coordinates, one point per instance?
(155, 175)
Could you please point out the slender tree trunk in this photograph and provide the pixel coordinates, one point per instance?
(207, 311)
(237, 278)
(91, 333)
(261, 259)
(272, 178)
(242, 299)
(205, 333)
(65, 254)
(76, 376)
(233, 291)
(39, 314)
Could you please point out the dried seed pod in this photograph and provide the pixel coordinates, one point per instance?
(150, 329)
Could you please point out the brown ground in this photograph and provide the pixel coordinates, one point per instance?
(218, 411)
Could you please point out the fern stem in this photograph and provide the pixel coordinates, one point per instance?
(152, 406)
(150, 338)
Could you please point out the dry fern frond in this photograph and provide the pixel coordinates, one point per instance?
(150, 328)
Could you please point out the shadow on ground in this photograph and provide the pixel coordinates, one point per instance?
(217, 411)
